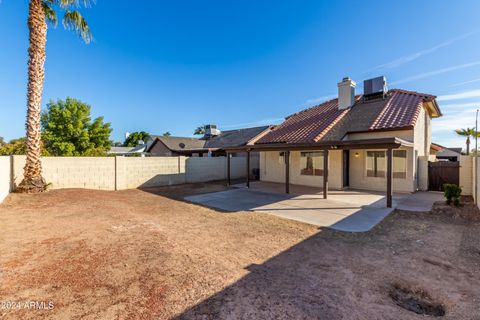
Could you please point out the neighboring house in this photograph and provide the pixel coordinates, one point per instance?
(359, 134)
(449, 154)
(209, 145)
(128, 151)
(162, 146)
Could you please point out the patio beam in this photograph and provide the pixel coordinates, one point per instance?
(248, 168)
(325, 173)
(228, 169)
(287, 171)
(389, 177)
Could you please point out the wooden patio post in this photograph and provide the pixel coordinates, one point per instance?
(389, 177)
(325, 174)
(287, 171)
(228, 169)
(248, 168)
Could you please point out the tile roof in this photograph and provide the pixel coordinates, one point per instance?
(230, 138)
(179, 143)
(325, 122)
(234, 138)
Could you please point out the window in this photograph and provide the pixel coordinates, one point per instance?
(311, 163)
(281, 158)
(400, 164)
(376, 164)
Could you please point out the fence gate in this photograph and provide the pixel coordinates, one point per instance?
(442, 172)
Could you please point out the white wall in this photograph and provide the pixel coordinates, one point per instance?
(5, 178)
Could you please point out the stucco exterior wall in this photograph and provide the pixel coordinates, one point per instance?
(272, 168)
(402, 134)
(117, 173)
(359, 179)
(466, 175)
(5, 178)
(477, 181)
(160, 150)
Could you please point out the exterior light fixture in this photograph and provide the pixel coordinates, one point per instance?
(357, 155)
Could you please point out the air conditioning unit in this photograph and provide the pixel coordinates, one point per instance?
(376, 87)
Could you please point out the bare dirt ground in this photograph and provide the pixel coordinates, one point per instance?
(145, 255)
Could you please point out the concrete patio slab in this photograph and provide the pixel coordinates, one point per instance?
(352, 211)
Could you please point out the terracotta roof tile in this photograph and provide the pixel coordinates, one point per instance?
(400, 109)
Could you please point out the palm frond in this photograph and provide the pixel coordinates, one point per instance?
(50, 14)
(73, 20)
(70, 3)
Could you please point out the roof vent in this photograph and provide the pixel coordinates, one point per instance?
(375, 88)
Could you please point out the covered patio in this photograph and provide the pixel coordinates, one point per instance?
(387, 144)
(351, 210)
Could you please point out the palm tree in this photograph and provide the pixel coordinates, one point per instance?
(199, 130)
(39, 13)
(468, 132)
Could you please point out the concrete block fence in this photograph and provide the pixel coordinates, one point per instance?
(119, 173)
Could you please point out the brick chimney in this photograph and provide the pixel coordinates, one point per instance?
(346, 93)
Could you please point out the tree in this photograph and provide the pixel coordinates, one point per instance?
(167, 134)
(134, 137)
(39, 12)
(14, 147)
(468, 132)
(2, 142)
(68, 130)
(199, 130)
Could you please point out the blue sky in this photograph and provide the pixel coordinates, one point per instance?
(173, 65)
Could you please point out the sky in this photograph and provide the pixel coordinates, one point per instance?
(162, 66)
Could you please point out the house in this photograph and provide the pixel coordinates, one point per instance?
(127, 151)
(371, 141)
(448, 154)
(212, 143)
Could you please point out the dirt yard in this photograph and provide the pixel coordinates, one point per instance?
(145, 255)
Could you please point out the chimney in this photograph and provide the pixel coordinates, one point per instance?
(346, 93)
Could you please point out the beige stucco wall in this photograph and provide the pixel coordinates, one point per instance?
(5, 178)
(466, 175)
(117, 173)
(402, 134)
(273, 170)
(359, 179)
(477, 181)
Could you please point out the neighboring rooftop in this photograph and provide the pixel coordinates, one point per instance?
(234, 138)
(178, 143)
(326, 122)
(230, 138)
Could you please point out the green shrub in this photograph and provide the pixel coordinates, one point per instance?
(452, 192)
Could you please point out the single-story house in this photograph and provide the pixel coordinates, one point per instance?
(212, 143)
(128, 151)
(370, 141)
(449, 154)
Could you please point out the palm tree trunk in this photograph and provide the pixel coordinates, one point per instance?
(468, 146)
(32, 180)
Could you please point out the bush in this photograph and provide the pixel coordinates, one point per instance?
(452, 192)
